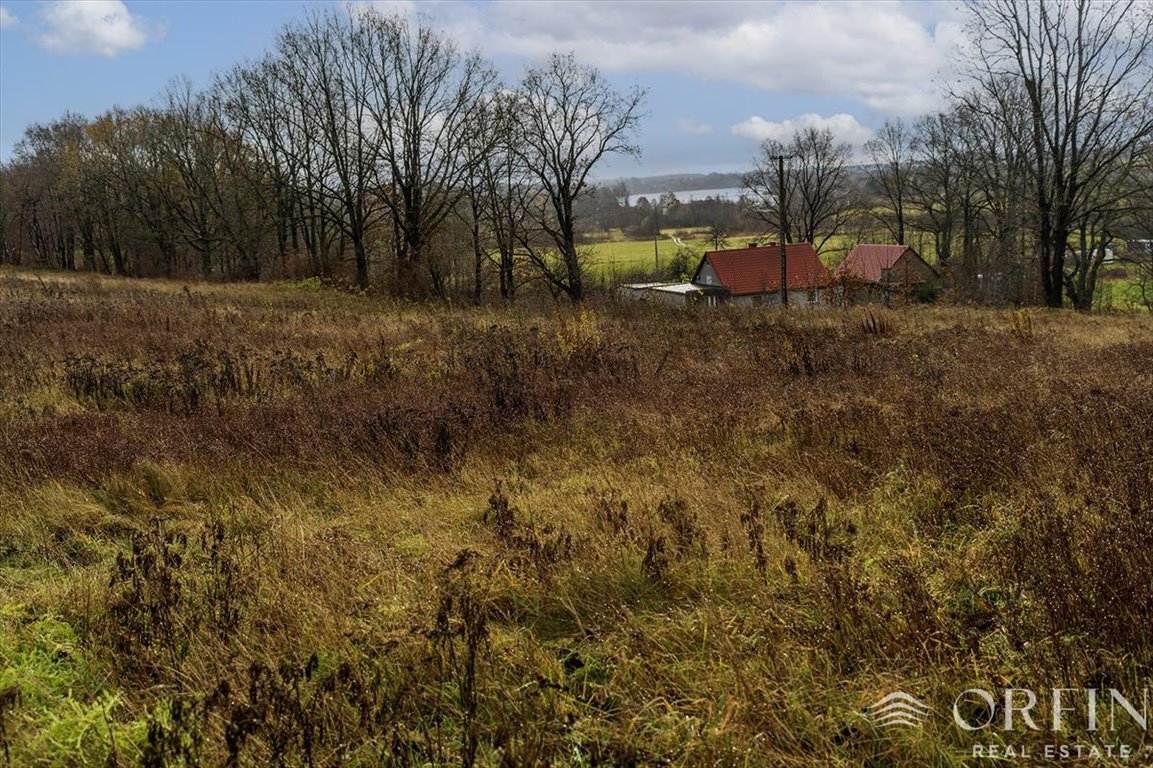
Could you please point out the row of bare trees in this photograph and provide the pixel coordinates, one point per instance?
(1042, 163)
(366, 144)
(361, 141)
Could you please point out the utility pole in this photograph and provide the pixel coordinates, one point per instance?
(656, 236)
(656, 251)
(781, 207)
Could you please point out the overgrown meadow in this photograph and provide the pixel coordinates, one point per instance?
(286, 525)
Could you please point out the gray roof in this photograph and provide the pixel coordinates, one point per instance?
(678, 288)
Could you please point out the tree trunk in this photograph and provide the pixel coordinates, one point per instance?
(88, 244)
(1055, 288)
(477, 260)
(361, 255)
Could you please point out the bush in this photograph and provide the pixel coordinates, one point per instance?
(927, 293)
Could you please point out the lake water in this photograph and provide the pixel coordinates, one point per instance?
(727, 193)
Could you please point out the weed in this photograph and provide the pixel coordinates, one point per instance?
(811, 531)
(145, 627)
(9, 700)
(876, 325)
(687, 536)
(460, 638)
(1023, 324)
(610, 510)
(164, 591)
(175, 735)
(655, 563)
(499, 514)
(542, 548)
(752, 522)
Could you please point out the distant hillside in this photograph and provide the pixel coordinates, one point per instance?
(689, 182)
(680, 182)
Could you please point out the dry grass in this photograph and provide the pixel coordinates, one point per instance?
(262, 525)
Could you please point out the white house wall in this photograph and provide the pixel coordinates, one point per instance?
(707, 275)
(796, 298)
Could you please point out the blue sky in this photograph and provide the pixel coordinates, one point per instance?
(720, 76)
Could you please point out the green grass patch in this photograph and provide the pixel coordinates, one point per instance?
(58, 713)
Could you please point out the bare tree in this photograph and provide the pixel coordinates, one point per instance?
(420, 101)
(938, 181)
(568, 119)
(818, 196)
(189, 150)
(717, 236)
(1136, 226)
(133, 171)
(11, 231)
(506, 184)
(243, 199)
(494, 208)
(973, 179)
(48, 185)
(328, 84)
(260, 106)
(1086, 69)
(109, 200)
(891, 154)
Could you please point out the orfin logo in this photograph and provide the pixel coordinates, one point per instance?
(898, 708)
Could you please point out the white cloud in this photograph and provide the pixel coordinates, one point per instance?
(401, 7)
(7, 18)
(95, 27)
(843, 127)
(886, 55)
(693, 127)
(459, 19)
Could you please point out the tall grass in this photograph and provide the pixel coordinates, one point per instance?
(266, 526)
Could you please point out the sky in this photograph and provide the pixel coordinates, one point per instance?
(720, 77)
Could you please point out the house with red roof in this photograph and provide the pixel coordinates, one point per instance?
(880, 272)
(745, 276)
(753, 275)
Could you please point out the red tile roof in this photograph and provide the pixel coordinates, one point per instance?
(746, 271)
(867, 262)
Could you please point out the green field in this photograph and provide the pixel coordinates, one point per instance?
(617, 255)
(625, 256)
